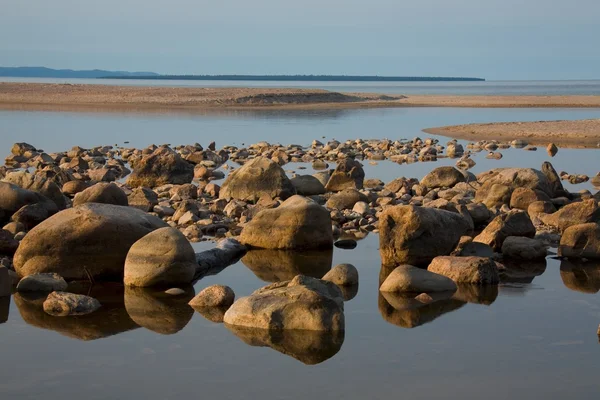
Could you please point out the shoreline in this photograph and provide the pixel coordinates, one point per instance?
(566, 133)
(88, 97)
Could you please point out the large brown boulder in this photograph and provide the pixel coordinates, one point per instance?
(581, 241)
(442, 177)
(298, 223)
(257, 178)
(303, 304)
(522, 198)
(514, 223)
(573, 214)
(91, 240)
(102, 192)
(13, 198)
(477, 270)
(415, 235)
(163, 257)
(39, 184)
(159, 168)
(348, 174)
(518, 177)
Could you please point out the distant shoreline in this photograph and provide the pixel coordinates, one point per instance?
(299, 78)
(36, 96)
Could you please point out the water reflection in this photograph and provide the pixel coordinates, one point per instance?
(110, 319)
(476, 294)
(407, 312)
(282, 265)
(4, 308)
(308, 347)
(580, 276)
(158, 311)
(523, 272)
(213, 314)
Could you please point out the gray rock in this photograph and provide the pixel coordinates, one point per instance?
(42, 283)
(227, 252)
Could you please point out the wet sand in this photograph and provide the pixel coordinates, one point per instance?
(37, 96)
(579, 133)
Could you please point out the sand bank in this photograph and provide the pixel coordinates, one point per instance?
(581, 133)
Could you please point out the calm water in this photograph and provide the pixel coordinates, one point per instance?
(533, 338)
(542, 88)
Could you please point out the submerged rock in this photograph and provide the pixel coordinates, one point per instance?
(407, 278)
(89, 240)
(303, 303)
(283, 265)
(415, 235)
(62, 304)
(298, 223)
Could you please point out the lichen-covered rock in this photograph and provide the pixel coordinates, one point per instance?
(102, 192)
(257, 178)
(62, 304)
(477, 270)
(348, 174)
(406, 278)
(303, 303)
(89, 240)
(415, 235)
(163, 257)
(298, 223)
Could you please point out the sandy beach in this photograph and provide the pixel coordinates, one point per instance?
(579, 133)
(36, 96)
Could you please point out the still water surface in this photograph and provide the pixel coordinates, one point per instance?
(535, 337)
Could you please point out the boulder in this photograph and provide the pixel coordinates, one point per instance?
(13, 198)
(257, 178)
(522, 198)
(518, 177)
(523, 248)
(581, 241)
(303, 303)
(307, 185)
(42, 283)
(514, 223)
(348, 174)
(71, 188)
(214, 296)
(38, 184)
(91, 240)
(298, 223)
(342, 275)
(442, 177)
(30, 215)
(415, 235)
(103, 192)
(161, 167)
(62, 304)
(556, 188)
(407, 278)
(493, 195)
(475, 270)
(143, 199)
(163, 257)
(538, 208)
(573, 214)
(345, 199)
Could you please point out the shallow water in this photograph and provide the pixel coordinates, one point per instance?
(535, 337)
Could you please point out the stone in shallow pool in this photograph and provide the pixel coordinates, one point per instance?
(62, 304)
(42, 283)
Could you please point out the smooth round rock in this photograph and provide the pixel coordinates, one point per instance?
(342, 275)
(214, 296)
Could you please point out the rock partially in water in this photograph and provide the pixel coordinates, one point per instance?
(573, 214)
(257, 178)
(348, 174)
(406, 278)
(282, 265)
(342, 275)
(308, 347)
(158, 311)
(415, 235)
(407, 312)
(303, 303)
(214, 296)
(514, 223)
(13, 198)
(89, 240)
(102, 192)
(523, 248)
(42, 283)
(298, 223)
(581, 241)
(474, 270)
(346, 199)
(213, 261)
(348, 244)
(4, 308)
(163, 257)
(62, 304)
(519, 271)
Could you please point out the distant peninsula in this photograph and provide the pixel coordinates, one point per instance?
(43, 72)
(301, 78)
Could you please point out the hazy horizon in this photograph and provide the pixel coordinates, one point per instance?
(495, 40)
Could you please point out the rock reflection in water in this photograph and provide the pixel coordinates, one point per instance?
(581, 276)
(213, 314)
(283, 265)
(158, 311)
(108, 320)
(4, 308)
(308, 347)
(524, 272)
(406, 312)
(476, 294)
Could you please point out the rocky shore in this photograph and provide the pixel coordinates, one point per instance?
(125, 216)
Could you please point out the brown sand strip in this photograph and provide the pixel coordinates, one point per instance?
(580, 133)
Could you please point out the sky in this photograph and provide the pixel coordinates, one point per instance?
(492, 39)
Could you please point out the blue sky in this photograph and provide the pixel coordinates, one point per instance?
(494, 39)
